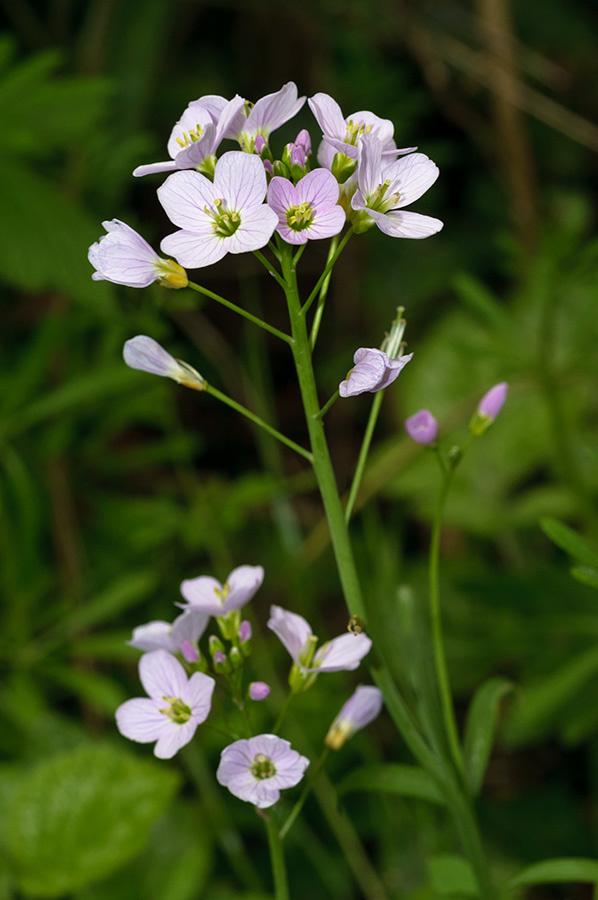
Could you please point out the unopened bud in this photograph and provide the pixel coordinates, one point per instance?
(258, 690)
(190, 652)
(422, 427)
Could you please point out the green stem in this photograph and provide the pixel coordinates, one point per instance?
(446, 698)
(267, 265)
(321, 456)
(240, 311)
(257, 420)
(323, 293)
(326, 272)
(279, 872)
(363, 454)
(327, 406)
(305, 793)
(282, 713)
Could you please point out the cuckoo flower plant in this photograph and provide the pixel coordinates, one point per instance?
(124, 257)
(257, 769)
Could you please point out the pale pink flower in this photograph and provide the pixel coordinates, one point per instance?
(173, 709)
(208, 595)
(308, 211)
(385, 188)
(158, 635)
(361, 708)
(124, 257)
(373, 371)
(147, 355)
(265, 116)
(257, 769)
(343, 652)
(227, 215)
(422, 427)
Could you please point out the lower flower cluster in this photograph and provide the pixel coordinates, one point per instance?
(175, 675)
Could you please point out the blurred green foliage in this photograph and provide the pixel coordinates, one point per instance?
(114, 487)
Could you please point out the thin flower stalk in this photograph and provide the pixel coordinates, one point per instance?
(322, 297)
(326, 272)
(241, 312)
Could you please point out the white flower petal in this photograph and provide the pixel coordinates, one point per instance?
(162, 675)
(256, 228)
(193, 250)
(174, 738)
(240, 179)
(403, 224)
(291, 629)
(184, 196)
(344, 652)
(140, 720)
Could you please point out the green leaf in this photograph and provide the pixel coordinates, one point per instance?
(452, 874)
(568, 540)
(480, 727)
(94, 688)
(126, 592)
(393, 778)
(81, 815)
(586, 575)
(553, 871)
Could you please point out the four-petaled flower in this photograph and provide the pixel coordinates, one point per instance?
(124, 257)
(208, 595)
(373, 371)
(196, 137)
(173, 709)
(158, 635)
(257, 769)
(386, 187)
(343, 652)
(226, 216)
(309, 210)
(362, 707)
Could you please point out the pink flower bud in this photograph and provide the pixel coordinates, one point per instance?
(219, 658)
(258, 690)
(190, 652)
(422, 427)
(260, 143)
(493, 401)
(245, 632)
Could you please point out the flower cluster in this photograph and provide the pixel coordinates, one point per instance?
(174, 675)
(233, 203)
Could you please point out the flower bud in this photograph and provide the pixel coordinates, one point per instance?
(221, 663)
(488, 408)
(422, 427)
(258, 690)
(245, 632)
(190, 652)
(359, 710)
(215, 645)
(235, 657)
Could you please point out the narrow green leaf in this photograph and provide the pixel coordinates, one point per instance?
(91, 687)
(586, 574)
(568, 540)
(554, 871)
(480, 727)
(452, 874)
(393, 778)
(81, 815)
(107, 605)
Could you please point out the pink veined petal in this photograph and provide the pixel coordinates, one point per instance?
(188, 627)
(291, 236)
(256, 229)
(243, 582)
(195, 153)
(214, 103)
(162, 675)
(410, 177)
(281, 196)
(369, 169)
(194, 250)
(291, 629)
(172, 740)
(367, 373)
(151, 168)
(147, 355)
(400, 223)
(344, 652)
(198, 695)
(184, 195)
(201, 593)
(382, 128)
(140, 720)
(328, 115)
(240, 179)
(326, 223)
(341, 146)
(230, 116)
(326, 154)
(289, 771)
(319, 187)
(273, 110)
(393, 368)
(234, 759)
(253, 791)
(270, 745)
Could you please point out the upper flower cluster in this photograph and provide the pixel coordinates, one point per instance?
(235, 203)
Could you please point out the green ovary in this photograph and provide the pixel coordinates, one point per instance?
(225, 223)
(300, 217)
(178, 711)
(262, 767)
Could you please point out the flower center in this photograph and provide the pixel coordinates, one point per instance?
(379, 201)
(355, 130)
(222, 593)
(262, 767)
(189, 137)
(225, 222)
(299, 217)
(177, 711)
